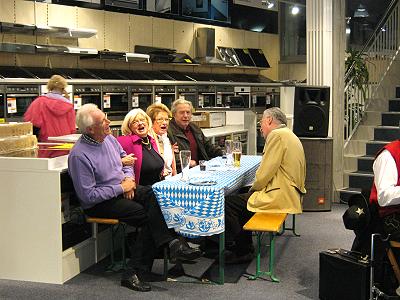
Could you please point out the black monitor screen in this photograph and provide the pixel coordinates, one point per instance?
(254, 19)
(259, 58)
(244, 57)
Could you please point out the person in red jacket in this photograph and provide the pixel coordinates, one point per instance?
(385, 192)
(52, 114)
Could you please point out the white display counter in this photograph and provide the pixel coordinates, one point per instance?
(30, 221)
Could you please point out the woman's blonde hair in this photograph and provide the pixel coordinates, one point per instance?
(153, 110)
(132, 116)
(56, 83)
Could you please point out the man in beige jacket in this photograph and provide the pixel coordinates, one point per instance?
(278, 186)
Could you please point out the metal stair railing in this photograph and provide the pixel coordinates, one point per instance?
(379, 52)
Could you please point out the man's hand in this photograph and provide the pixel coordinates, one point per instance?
(128, 184)
(175, 148)
(129, 195)
(129, 160)
(193, 163)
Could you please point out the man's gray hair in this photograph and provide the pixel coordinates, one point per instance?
(276, 114)
(178, 102)
(84, 117)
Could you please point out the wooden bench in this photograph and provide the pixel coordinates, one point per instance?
(274, 224)
(115, 226)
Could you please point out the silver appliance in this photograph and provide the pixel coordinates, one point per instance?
(141, 96)
(115, 101)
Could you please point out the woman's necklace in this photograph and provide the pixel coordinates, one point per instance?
(146, 143)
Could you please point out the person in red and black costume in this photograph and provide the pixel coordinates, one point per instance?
(385, 192)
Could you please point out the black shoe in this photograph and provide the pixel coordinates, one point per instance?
(179, 251)
(135, 284)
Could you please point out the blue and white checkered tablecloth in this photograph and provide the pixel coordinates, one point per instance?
(195, 210)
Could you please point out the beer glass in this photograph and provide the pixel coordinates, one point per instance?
(228, 151)
(185, 157)
(236, 153)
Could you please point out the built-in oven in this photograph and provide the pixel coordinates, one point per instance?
(224, 94)
(115, 101)
(241, 99)
(207, 96)
(2, 105)
(188, 93)
(165, 94)
(84, 94)
(18, 98)
(141, 96)
(264, 97)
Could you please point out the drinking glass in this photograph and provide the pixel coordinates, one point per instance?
(185, 157)
(236, 153)
(228, 151)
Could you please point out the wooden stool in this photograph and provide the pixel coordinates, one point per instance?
(115, 226)
(271, 223)
(393, 260)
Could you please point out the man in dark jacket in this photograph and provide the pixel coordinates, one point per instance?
(189, 136)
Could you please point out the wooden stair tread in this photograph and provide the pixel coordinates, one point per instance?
(269, 222)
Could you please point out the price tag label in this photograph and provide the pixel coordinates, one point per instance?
(77, 101)
(107, 101)
(11, 105)
(158, 99)
(201, 100)
(135, 100)
(219, 99)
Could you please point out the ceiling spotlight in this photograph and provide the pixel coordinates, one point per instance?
(269, 3)
(295, 10)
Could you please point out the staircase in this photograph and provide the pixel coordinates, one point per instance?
(372, 115)
(379, 127)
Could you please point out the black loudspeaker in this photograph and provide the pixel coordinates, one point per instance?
(311, 111)
(342, 277)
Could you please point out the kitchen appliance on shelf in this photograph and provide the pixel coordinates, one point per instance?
(188, 93)
(223, 95)
(141, 96)
(241, 98)
(84, 94)
(165, 94)
(18, 99)
(115, 101)
(207, 96)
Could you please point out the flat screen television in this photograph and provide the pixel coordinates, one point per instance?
(254, 19)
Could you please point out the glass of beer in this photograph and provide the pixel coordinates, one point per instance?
(236, 153)
(185, 157)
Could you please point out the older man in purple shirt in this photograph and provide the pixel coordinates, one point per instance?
(107, 189)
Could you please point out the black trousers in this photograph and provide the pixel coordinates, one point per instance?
(236, 215)
(142, 211)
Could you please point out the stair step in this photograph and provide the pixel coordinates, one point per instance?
(361, 179)
(372, 147)
(386, 133)
(365, 163)
(394, 105)
(346, 193)
(390, 118)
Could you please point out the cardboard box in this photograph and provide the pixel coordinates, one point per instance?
(209, 119)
